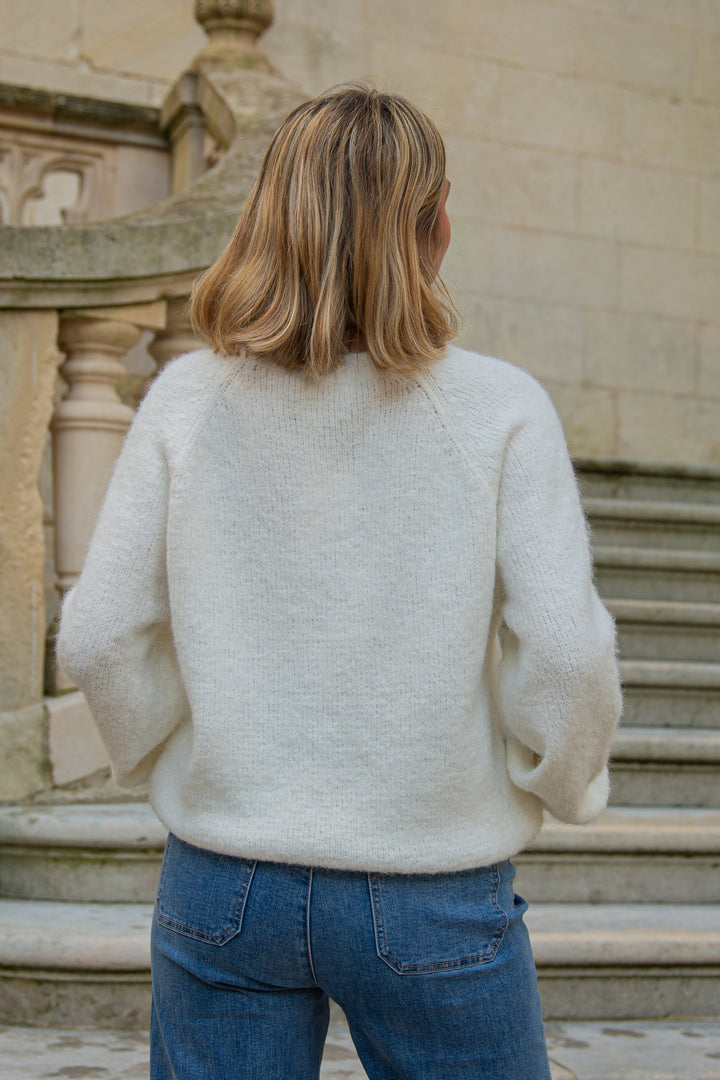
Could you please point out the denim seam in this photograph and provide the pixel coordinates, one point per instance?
(403, 968)
(307, 926)
(219, 938)
(506, 917)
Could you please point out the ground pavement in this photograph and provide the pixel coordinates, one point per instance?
(598, 1050)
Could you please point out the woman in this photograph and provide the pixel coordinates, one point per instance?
(290, 620)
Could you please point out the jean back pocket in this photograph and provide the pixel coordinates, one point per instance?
(438, 922)
(201, 893)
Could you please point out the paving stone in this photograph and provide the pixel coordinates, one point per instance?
(605, 1050)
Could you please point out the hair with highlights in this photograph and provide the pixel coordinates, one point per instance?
(333, 244)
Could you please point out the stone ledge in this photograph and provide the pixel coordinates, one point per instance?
(625, 935)
(635, 558)
(693, 470)
(654, 510)
(667, 744)
(666, 612)
(128, 826)
(78, 937)
(635, 829)
(59, 105)
(74, 937)
(674, 674)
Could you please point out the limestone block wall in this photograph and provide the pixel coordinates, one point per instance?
(584, 156)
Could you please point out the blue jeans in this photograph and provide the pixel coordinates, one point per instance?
(433, 971)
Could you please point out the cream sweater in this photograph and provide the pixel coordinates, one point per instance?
(291, 612)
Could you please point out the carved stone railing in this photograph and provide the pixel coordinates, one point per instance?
(85, 294)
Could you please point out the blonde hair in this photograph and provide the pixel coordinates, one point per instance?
(333, 244)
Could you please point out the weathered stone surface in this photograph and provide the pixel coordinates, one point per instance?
(176, 237)
(627, 855)
(27, 70)
(90, 852)
(667, 706)
(673, 631)
(685, 286)
(40, 32)
(28, 366)
(664, 481)
(578, 117)
(646, 573)
(636, 351)
(654, 524)
(557, 269)
(92, 961)
(23, 752)
(671, 132)
(710, 353)
(629, 935)
(646, 205)
(619, 1050)
(547, 340)
(666, 767)
(74, 745)
(669, 426)
(579, 121)
(589, 414)
(154, 42)
(636, 54)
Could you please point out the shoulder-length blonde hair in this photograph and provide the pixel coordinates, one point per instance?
(333, 245)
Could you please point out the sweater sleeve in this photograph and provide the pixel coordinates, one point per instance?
(559, 685)
(115, 635)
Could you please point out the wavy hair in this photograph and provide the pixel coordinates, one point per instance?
(333, 244)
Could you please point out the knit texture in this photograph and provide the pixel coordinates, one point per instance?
(349, 624)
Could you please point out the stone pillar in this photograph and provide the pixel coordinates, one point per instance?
(28, 367)
(178, 337)
(88, 429)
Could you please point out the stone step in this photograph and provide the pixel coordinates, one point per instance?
(658, 573)
(617, 478)
(655, 705)
(627, 855)
(664, 693)
(112, 852)
(665, 767)
(98, 852)
(89, 967)
(627, 960)
(90, 853)
(653, 524)
(74, 964)
(668, 630)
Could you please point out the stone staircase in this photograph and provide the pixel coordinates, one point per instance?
(624, 918)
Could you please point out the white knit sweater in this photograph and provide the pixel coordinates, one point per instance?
(291, 612)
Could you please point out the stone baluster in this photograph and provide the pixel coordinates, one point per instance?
(178, 335)
(87, 430)
(232, 27)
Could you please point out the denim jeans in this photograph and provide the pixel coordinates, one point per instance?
(433, 971)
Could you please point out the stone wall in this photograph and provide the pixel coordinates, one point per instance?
(584, 155)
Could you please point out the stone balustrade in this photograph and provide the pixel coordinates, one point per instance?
(74, 301)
